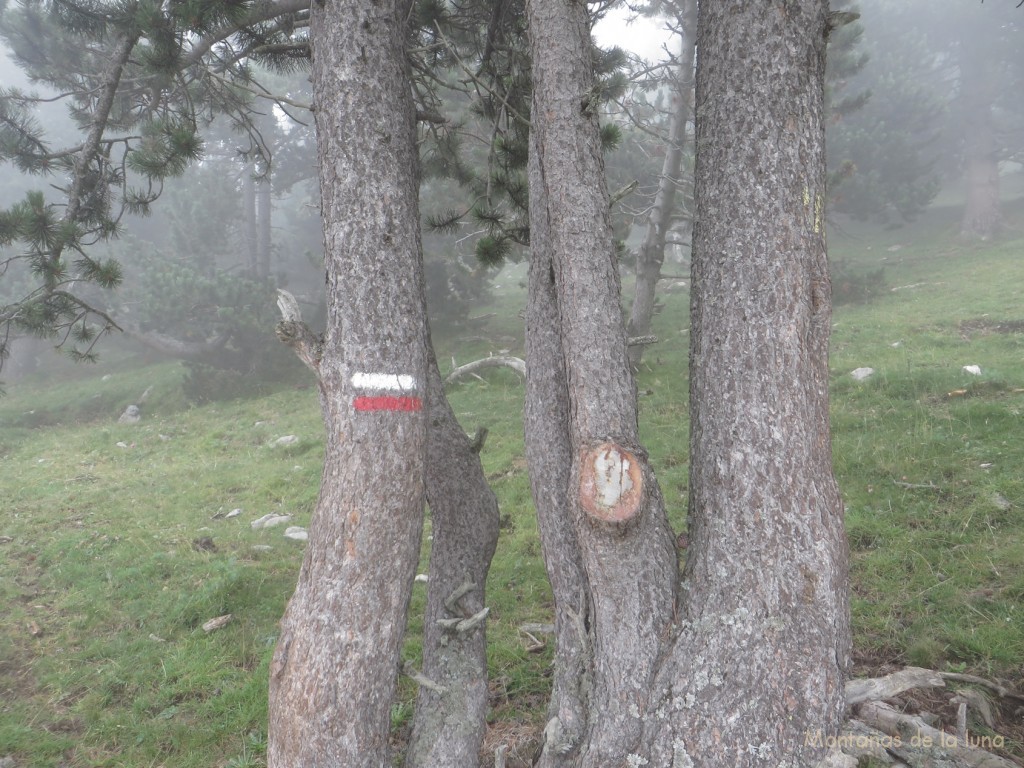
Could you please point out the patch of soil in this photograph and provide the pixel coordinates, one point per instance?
(985, 325)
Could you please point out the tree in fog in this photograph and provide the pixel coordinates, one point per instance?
(944, 106)
(140, 80)
(733, 664)
(392, 442)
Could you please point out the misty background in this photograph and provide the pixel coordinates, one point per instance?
(926, 110)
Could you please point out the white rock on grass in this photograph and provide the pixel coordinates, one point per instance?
(261, 547)
(233, 513)
(974, 370)
(296, 533)
(269, 521)
(862, 373)
(287, 440)
(131, 415)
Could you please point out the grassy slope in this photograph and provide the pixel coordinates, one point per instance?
(103, 661)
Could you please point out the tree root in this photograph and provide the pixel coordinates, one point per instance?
(889, 737)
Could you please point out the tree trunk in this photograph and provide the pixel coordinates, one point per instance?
(626, 546)
(749, 660)
(549, 457)
(249, 219)
(759, 653)
(264, 238)
(333, 674)
(978, 84)
(651, 256)
(451, 708)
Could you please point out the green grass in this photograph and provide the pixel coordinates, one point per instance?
(103, 659)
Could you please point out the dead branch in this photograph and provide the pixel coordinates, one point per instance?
(878, 688)
(916, 736)
(642, 341)
(516, 364)
(309, 346)
(929, 486)
(999, 690)
(423, 680)
(462, 626)
(460, 592)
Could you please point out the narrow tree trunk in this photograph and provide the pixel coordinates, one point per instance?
(626, 546)
(757, 662)
(651, 256)
(264, 237)
(249, 219)
(978, 82)
(334, 670)
(451, 707)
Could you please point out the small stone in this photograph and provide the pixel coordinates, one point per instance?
(131, 415)
(269, 521)
(233, 513)
(261, 547)
(974, 370)
(859, 374)
(421, 578)
(296, 533)
(156, 639)
(7, 762)
(287, 440)
(121, 444)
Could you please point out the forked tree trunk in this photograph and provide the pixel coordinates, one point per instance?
(451, 709)
(334, 670)
(651, 256)
(749, 661)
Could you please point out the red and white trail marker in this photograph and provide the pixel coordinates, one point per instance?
(375, 385)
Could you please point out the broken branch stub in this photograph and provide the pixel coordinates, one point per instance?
(611, 483)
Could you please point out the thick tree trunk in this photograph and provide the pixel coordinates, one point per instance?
(451, 708)
(978, 83)
(651, 256)
(626, 546)
(334, 670)
(761, 646)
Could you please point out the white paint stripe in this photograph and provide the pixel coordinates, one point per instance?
(387, 381)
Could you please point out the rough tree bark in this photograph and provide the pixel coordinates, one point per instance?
(549, 457)
(651, 256)
(333, 674)
(450, 719)
(761, 647)
(625, 604)
(746, 659)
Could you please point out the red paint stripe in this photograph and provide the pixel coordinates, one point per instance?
(388, 403)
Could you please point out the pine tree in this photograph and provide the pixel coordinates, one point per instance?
(140, 80)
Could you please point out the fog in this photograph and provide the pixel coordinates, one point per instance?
(925, 111)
